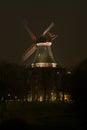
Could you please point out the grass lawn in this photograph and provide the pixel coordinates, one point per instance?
(60, 115)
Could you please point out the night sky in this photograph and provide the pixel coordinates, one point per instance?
(69, 16)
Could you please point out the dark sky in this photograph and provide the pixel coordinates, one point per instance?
(69, 16)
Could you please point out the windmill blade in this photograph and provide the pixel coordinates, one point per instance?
(29, 52)
(54, 37)
(33, 36)
(48, 29)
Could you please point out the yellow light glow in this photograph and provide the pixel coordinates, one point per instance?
(44, 44)
(53, 96)
(15, 97)
(41, 98)
(9, 94)
(68, 72)
(29, 99)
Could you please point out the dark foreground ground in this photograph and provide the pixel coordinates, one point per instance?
(29, 116)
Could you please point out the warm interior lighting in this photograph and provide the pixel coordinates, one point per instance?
(29, 99)
(53, 96)
(44, 65)
(68, 72)
(44, 44)
(41, 98)
(9, 94)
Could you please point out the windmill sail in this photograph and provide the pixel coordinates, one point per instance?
(31, 33)
(48, 29)
(29, 52)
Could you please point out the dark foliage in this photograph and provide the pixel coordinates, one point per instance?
(79, 87)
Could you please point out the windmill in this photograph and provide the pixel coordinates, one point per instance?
(42, 47)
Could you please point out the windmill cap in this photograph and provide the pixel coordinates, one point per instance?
(41, 39)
